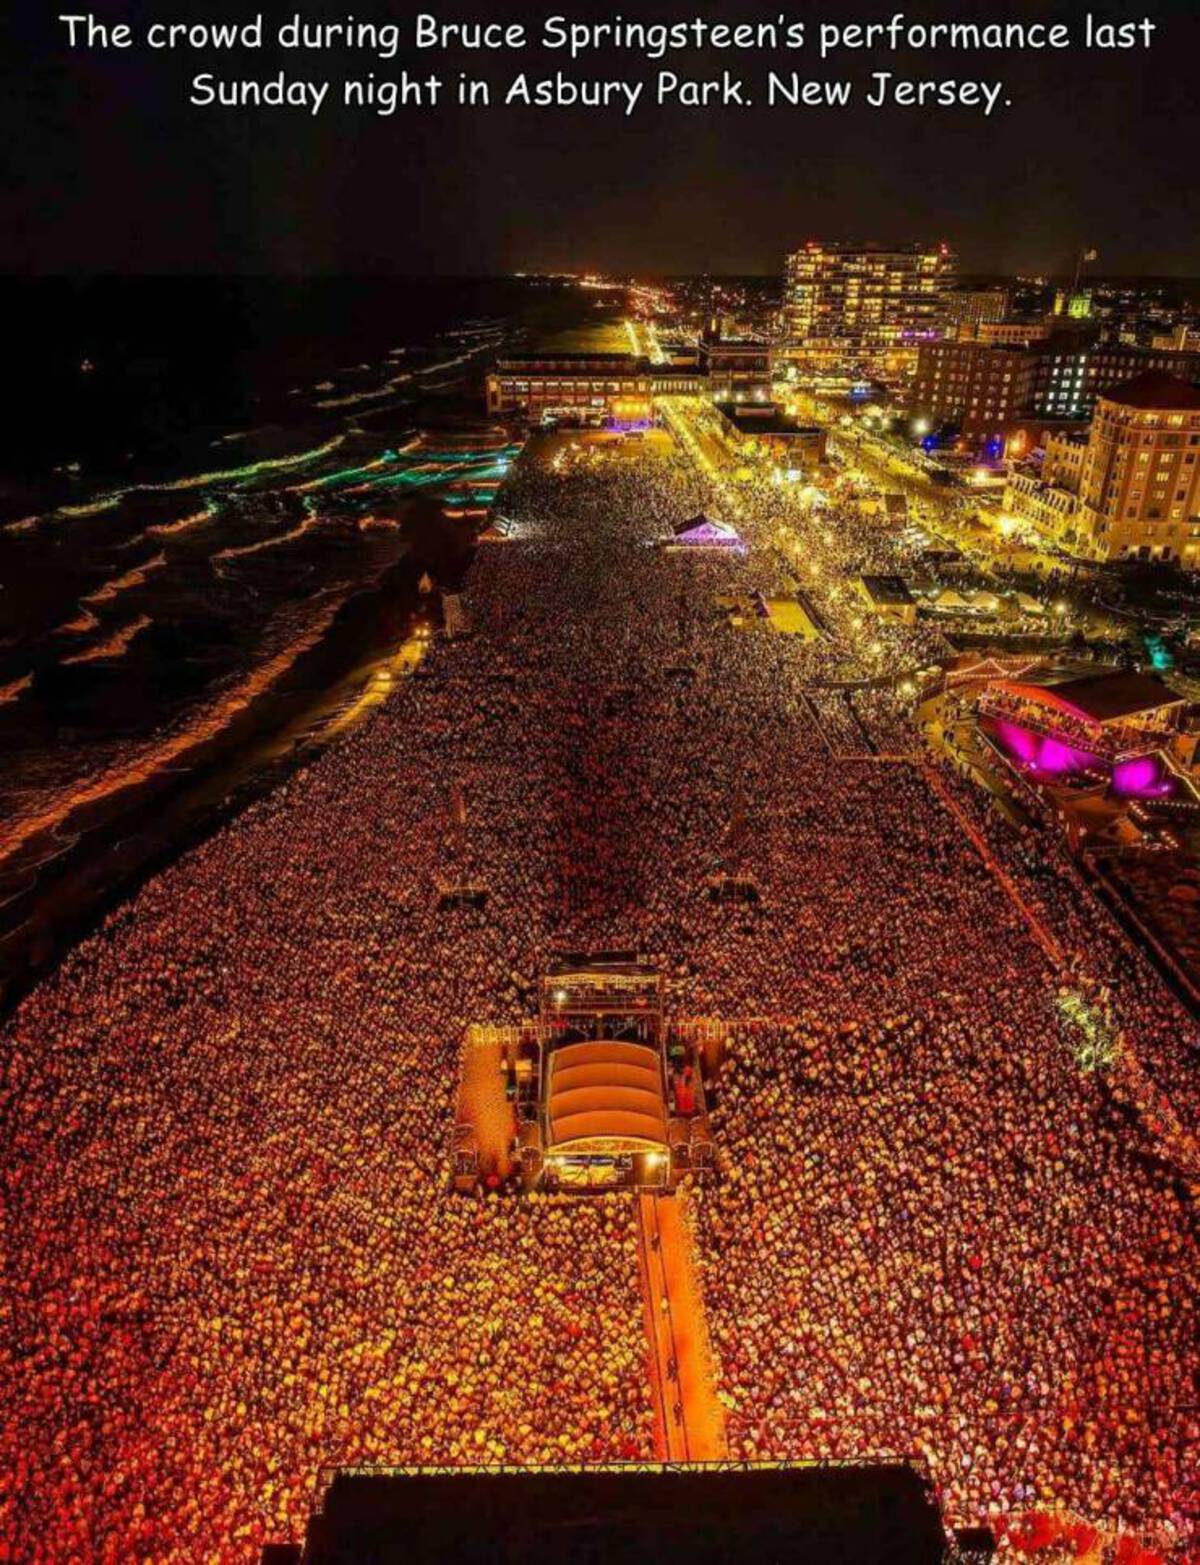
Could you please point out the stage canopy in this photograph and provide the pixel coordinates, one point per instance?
(606, 1092)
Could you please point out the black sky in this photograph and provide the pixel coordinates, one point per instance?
(106, 168)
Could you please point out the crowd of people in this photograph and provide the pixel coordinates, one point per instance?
(235, 1256)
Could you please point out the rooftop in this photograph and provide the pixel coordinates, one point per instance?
(1156, 390)
(891, 591)
(763, 418)
(606, 1091)
(871, 247)
(623, 361)
(1107, 696)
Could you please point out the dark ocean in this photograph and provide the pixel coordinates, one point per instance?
(217, 500)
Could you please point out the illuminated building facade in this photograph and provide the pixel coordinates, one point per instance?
(677, 380)
(999, 334)
(1071, 375)
(1048, 496)
(1053, 509)
(971, 306)
(990, 391)
(736, 368)
(858, 301)
(1077, 304)
(573, 388)
(1062, 460)
(1140, 485)
(1184, 339)
(982, 390)
(602, 388)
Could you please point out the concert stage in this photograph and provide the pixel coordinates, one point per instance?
(599, 1094)
(716, 1514)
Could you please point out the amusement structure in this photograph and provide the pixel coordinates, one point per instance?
(1106, 729)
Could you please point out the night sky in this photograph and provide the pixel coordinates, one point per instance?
(104, 167)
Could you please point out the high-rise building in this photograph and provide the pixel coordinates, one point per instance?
(855, 302)
(1140, 486)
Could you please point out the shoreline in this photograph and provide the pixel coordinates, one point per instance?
(147, 825)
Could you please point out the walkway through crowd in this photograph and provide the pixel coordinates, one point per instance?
(691, 1422)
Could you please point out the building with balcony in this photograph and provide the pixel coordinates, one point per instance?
(855, 304)
(572, 388)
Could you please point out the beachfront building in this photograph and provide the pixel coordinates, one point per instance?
(590, 388)
(572, 388)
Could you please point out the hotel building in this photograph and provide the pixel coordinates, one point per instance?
(1140, 486)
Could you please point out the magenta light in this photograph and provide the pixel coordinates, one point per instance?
(1017, 741)
(1141, 777)
(1053, 757)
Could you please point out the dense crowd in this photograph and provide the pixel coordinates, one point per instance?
(235, 1258)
